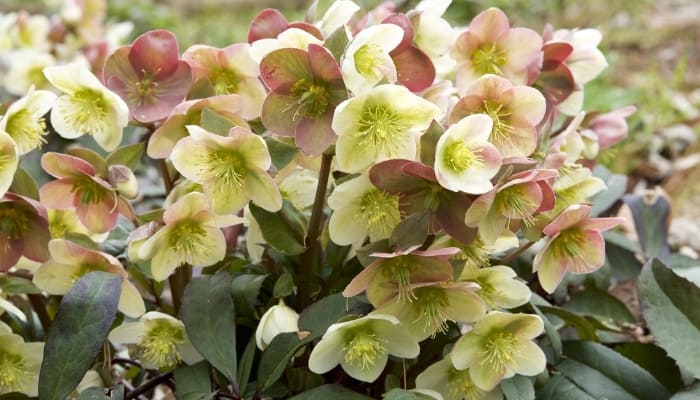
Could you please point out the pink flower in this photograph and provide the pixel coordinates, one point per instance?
(610, 128)
(574, 244)
(24, 230)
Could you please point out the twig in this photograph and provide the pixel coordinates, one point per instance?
(148, 385)
(505, 260)
(167, 180)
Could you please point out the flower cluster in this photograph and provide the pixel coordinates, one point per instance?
(422, 152)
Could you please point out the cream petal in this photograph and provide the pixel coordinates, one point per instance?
(464, 306)
(369, 374)
(529, 103)
(130, 302)
(327, 353)
(352, 155)
(188, 157)
(127, 333)
(9, 161)
(400, 342)
(485, 377)
(263, 191)
(550, 270)
(70, 78)
(164, 263)
(214, 251)
(55, 278)
(529, 360)
(345, 228)
(465, 353)
(62, 117)
(189, 354)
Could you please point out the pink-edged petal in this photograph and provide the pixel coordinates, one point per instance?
(267, 25)
(489, 25)
(361, 281)
(58, 194)
(529, 103)
(118, 74)
(324, 66)
(201, 59)
(279, 114)
(64, 166)
(10, 252)
(414, 69)
(571, 216)
(550, 269)
(236, 57)
(591, 254)
(155, 52)
(314, 136)
(101, 216)
(404, 23)
(557, 51)
(282, 68)
(188, 206)
(523, 46)
(161, 143)
(479, 208)
(601, 224)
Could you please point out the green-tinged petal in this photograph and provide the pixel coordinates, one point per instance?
(213, 248)
(400, 342)
(188, 157)
(573, 215)
(366, 374)
(279, 114)
(56, 278)
(71, 78)
(529, 360)
(353, 154)
(127, 333)
(224, 198)
(486, 377)
(464, 306)
(344, 227)
(65, 166)
(109, 134)
(465, 352)
(327, 353)
(9, 161)
(164, 263)
(189, 205)
(550, 271)
(189, 354)
(130, 301)
(100, 216)
(263, 190)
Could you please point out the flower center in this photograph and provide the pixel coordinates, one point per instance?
(13, 372)
(187, 237)
(312, 99)
(475, 255)
(499, 350)
(458, 157)
(88, 111)
(367, 60)
(380, 211)
(380, 127)
(90, 192)
(514, 203)
(398, 269)
(568, 244)
(14, 221)
(363, 348)
(36, 77)
(488, 59)
(430, 306)
(27, 132)
(224, 81)
(145, 90)
(159, 345)
(227, 167)
(460, 385)
(502, 129)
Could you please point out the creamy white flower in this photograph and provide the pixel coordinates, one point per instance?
(291, 38)
(24, 120)
(338, 14)
(367, 61)
(19, 363)
(277, 319)
(25, 69)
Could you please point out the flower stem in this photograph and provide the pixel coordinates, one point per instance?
(167, 180)
(505, 260)
(178, 281)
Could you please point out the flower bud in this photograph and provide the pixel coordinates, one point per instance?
(278, 319)
(124, 180)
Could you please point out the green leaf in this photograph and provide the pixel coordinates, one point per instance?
(620, 254)
(283, 230)
(129, 155)
(276, 357)
(655, 360)
(245, 289)
(281, 152)
(245, 365)
(671, 307)
(23, 184)
(93, 393)
(117, 392)
(116, 242)
(192, 382)
(650, 213)
(617, 185)
(332, 391)
(584, 328)
(400, 394)
(428, 143)
(284, 286)
(560, 387)
(411, 230)
(319, 316)
(210, 320)
(78, 332)
(599, 304)
(551, 332)
(336, 42)
(603, 373)
(216, 123)
(17, 285)
(518, 388)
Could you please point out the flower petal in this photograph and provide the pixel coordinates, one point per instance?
(327, 353)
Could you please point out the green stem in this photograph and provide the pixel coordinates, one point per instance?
(505, 260)
(39, 307)
(178, 281)
(167, 180)
(311, 256)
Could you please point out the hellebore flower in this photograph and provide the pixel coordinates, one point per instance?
(87, 107)
(574, 186)
(230, 70)
(359, 210)
(499, 346)
(24, 120)
(232, 170)
(20, 363)
(434, 304)
(464, 159)
(575, 244)
(380, 124)
(149, 75)
(362, 346)
(164, 138)
(24, 230)
(498, 286)
(161, 340)
(25, 70)
(69, 262)
(367, 60)
(515, 111)
(305, 89)
(433, 34)
(518, 199)
(78, 186)
(277, 319)
(9, 161)
(608, 128)
(491, 46)
(396, 275)
(65, 222)
(192, 234)
(270, 31)
(453, 384)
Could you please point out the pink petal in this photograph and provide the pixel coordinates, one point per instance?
(548, 197)
(450, 214)
(279, 114)
(571, 216)
(404, 23)
(10, 252)
(557, 52)
(419, 170)
(36, 242)
(489, 25)
(414, 69)
(314, 135)
(601, 224)
(523, 46)
(61, 165)
(155, 52)
(57, 194)
(172, 90)
(99, 217)
(267, 25)
(282, 68)
(118, 74)
(387, 175)
(325, 67)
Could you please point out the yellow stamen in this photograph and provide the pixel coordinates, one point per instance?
(363, 348)
(159, 345)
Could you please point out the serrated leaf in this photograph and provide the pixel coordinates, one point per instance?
(518, 388)
(192, 382)
(210, 320)
(23, 184)
(603, 373)
(276, 357)
(319, 316)
(283, 230)
(129, 155)
(76, 336)
(560, 387)
(599, 304)
(332, 391)
(650, 214)
(281, 153)
(671, 307)
(616, 187)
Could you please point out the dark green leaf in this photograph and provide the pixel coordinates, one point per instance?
(281, 153)
(428, 143)
(400, 394)
(117, 392)
(246, 363)
(518, 388)
(192, 382)
(620, 254)
(245, 289)
(17, 285)
(276, 357)
(336, 42)
(655, 360)
(23, 184)
(283, 230)
(216, 123)
(284, 286)
(671, 307)
(650, 213)
(116, 242)
(603, 373)
(319, 316)
(617, 185)
(585, 329)
(210, 319)
(78, 332)
(129, 155)
(599, 304)
(93, 394)
(326, 392)
(560, 387)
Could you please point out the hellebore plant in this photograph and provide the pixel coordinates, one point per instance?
(366, 204)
